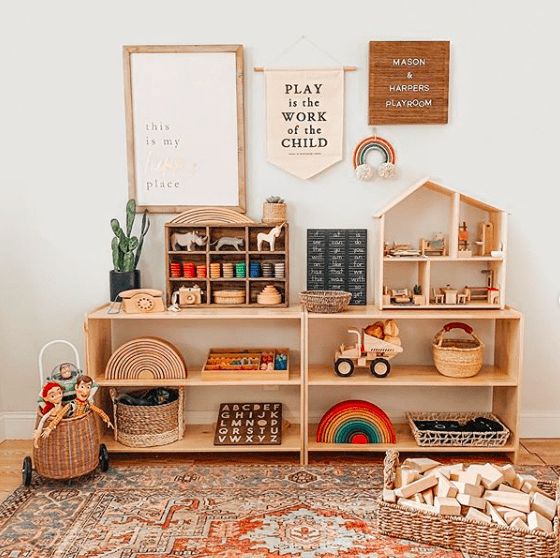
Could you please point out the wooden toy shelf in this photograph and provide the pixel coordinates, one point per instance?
(251, 286)
(501, 376)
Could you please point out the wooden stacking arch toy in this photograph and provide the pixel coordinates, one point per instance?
(146, 358)
(356, 422)
(211, 215)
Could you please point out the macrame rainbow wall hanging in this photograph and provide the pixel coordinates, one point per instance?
(356, 422)
(386, 169)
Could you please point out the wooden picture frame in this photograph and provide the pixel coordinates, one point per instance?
(179, 156)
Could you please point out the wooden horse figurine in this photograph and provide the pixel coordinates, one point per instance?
(269, 237)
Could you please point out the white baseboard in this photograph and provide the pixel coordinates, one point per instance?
(19, 425)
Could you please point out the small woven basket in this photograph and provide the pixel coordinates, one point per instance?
(325, 302)
(465, 535)
(457, 358)
(437, 438)
(71, 450)
(140, 426)
(274, 213)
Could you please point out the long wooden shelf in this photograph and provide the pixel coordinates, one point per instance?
(459, 312)
(442, 259)
(405, 443)
(411, 375)
(206, 312)
(199, 438)
(194, 378)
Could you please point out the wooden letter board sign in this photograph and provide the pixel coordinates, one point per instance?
(249, 424)
(408, 82)
(337, 261)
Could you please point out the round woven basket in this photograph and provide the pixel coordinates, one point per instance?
(457, 358)
(140, 426)
(71, 450)
(325, 302)
(274, 213)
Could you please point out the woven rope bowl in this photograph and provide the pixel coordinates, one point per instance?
(325, 302)
(457, 358)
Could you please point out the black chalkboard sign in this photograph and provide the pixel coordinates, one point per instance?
(337, 261)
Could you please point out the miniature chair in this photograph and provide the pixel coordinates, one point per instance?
(439, 298)
(462, 298)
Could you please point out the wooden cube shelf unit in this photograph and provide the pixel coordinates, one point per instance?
(449, 277)
(246, 253)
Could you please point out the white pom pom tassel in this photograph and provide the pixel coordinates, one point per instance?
(386, 170)
(364, 172)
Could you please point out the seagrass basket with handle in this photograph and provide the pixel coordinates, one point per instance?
(457, 358)
(459, 533)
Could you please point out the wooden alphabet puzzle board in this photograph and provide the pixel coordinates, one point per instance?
(249, 424)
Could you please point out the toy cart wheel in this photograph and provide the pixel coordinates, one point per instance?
(380, 367)
(344, 367)
(103, 458)
(27, 470)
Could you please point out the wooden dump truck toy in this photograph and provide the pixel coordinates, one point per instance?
(368, 351)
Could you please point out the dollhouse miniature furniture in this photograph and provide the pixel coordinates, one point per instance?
(414, 216)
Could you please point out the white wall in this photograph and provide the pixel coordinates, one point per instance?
(62, 141)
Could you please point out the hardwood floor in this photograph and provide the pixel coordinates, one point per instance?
(533, 452)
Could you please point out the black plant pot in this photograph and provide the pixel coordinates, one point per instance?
(123, 281)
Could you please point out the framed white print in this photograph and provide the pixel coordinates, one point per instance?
(185, 127)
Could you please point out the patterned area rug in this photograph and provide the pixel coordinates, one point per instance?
(244, 511)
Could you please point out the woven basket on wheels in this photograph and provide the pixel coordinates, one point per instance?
(148, 426)
(465, 535)
(325, 302)
(457, 358)
(71, 450)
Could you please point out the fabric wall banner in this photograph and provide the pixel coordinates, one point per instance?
(304, 119)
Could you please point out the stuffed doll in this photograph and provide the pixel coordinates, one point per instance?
(66, 375)
(52, 395)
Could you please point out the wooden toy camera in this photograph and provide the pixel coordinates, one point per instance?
(189, 296)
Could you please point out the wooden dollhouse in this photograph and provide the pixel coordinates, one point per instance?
(439, 248)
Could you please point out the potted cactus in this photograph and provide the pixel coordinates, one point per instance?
(274, 211)
(126, 251)
(417, 297)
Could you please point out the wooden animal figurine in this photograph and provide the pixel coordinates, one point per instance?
(232, 241)
(269, 237)
(180, 241)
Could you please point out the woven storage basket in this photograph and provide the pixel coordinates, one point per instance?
(457, 358)
(71, 450)
(325, 302)
(274, 213)
(458, 533)
(148, 426)
(437, 438)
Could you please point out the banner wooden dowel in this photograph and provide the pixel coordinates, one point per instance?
(345, 68)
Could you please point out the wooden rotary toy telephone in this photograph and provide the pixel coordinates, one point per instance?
(139, 301)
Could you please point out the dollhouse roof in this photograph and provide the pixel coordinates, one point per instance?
(434, 186)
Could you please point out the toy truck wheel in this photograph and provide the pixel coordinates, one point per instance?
(380, 367)
(103, 458)
(26, 471)
(344, 367)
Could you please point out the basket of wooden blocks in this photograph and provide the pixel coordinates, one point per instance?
(484, 510)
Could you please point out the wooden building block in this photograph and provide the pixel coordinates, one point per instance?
(445, 489)
(477, 515)
(440, 471)
(472, 501)
(512, 515)
(428, 496)
(470, 476)
(492, 477)
(519, 524)
(405, 502)
(517, 482)
(496, 517)
(544, 505)
(389, 495)
(515, 501)
(537, 521)
(509, 473)
(447, 506)
(530, 487)
(417, 486)
(398, 478)
(419, 498)
(506, 488)
(470, 489)
(420, 464)
(408, 476)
